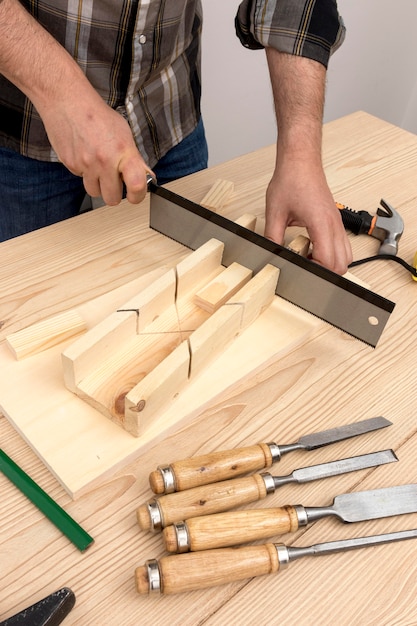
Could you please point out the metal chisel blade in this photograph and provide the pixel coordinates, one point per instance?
(336, 300)
(330, 547)
(334, 468)
(332, 435)
(376, 503)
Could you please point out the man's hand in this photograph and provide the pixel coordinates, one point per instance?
(91, 139)
(96, 143)
(298, 194)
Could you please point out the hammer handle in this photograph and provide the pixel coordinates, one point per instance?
(232, 528)
(214, 498)
(198, 570)
(359, 222)
(214, 467)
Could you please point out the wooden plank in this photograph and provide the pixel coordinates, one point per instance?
(213, 295)
(82, 356)
(45, 334)
(218, 195)
(199, 267)
(247, 220)
(159, 387)
(257, 294)
(300, 245)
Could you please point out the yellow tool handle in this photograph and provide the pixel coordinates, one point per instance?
(214, 498)
(198, 570)
(212, 468)
(231, 528)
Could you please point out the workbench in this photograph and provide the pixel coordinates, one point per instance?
(330, 380)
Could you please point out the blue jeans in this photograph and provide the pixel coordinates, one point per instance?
(34, 194)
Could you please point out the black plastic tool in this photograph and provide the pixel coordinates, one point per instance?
(50, 611)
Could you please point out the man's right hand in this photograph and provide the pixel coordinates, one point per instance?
(90, 139)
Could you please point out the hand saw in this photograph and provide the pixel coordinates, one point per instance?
(336, 300)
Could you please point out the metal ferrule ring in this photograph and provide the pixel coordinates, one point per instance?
(275, 451)
(183, 538)
(301, 515)
(154, 576)
(283, 555)
(155, 515)
(269, 482)
(168, 478)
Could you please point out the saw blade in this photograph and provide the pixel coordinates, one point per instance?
(334, 299)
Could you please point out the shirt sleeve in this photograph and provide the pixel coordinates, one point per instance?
(308, 28)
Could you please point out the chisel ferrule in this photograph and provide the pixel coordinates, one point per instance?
(301, 515)
(154, 576)
(155, 516)
(275, 451)
(168, 477)
(283, 555)
(269, 482)
(183, 538)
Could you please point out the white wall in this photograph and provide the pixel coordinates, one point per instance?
(375, 70)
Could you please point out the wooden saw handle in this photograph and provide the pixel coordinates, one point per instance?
(214, 498)
(232, 528)
(214, 467)
(198, 570)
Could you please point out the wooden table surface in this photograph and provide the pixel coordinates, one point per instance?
(330, 380)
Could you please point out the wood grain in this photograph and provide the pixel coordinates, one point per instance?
(327, 380)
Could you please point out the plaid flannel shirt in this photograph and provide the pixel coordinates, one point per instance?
(143, 58)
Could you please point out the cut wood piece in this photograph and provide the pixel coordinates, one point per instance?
(145, 400)
(210, 339)
(199, 268)
(300, 245)
(218, 195)
(257, 294)
(152, 301)
(213, 295)
(114, 333)
(45, 334)
(82, 356)
(247, 220)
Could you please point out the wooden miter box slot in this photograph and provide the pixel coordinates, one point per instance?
(131, 364)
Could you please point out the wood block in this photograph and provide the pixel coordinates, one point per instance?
(257, 294)
(82, 356)
(153, 300)
(218, 195)
(300, 245)
(247, 220)
(199, 267)
(210, 339)
(213, 295)
(145, 401)
(45, 334)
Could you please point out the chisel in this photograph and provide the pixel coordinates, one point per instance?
(197, 570)
(216, 497)
(222, 465)
(236, 527)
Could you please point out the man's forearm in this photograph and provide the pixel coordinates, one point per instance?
(32, 59)
(298, 86)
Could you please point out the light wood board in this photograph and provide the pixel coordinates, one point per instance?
(79, 445)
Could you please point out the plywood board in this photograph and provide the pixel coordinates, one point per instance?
(78, 444)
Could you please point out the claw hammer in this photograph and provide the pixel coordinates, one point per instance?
(387, 225)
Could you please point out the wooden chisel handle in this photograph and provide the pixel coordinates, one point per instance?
(177, 573)
(214, 498)
(211, 468)
(230, 529)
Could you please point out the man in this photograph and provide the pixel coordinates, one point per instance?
(94, 97)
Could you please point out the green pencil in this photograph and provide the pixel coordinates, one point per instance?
(56, 514)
